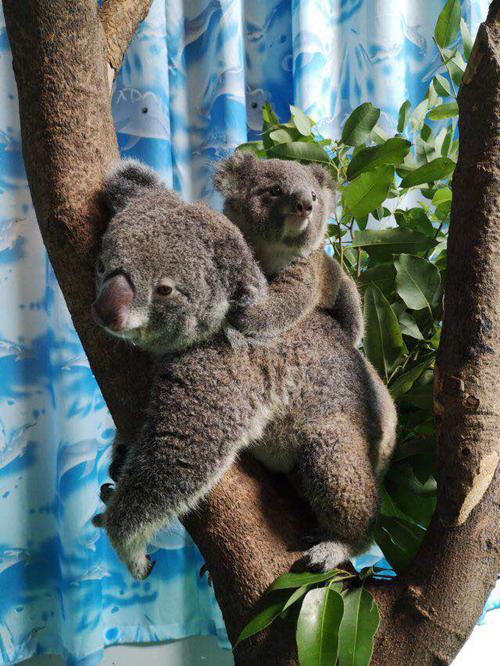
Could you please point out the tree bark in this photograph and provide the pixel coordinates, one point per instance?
(248, 528)
(430, 613)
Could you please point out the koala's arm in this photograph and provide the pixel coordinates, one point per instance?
(204, 408)
(340, 296)
(292, 294)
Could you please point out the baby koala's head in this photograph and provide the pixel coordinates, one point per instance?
(168, 271)
(281, 207)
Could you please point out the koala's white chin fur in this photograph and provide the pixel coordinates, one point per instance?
(294, 226)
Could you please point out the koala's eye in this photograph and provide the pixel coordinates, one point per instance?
(276, 190)
(100, 266)
(164, 290)
(314, 197)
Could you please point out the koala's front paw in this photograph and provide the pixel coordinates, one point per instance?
(325, 556)
(106, 492)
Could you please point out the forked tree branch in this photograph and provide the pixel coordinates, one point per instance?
(248, 528)
(120, 19)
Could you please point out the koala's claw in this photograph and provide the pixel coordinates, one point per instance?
(106, 492)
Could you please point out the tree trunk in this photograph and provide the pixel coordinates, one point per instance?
(248, 527)
(434, 608)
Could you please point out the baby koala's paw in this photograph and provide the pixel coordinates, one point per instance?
(325, 556)
(132, 552)
(106, 492)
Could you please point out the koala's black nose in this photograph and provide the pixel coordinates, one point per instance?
(111, 307)
(303, 202)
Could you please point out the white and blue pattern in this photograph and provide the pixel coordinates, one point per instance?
(190, 90)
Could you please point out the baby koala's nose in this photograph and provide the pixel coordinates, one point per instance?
(303, 202)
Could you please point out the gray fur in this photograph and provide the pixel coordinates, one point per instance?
(286, 242)
(307, 401)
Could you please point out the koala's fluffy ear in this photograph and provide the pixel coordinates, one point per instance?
(231, 172)
(323, 177)
(125, 181)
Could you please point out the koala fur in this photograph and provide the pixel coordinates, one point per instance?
(282, 209)
(307, 403)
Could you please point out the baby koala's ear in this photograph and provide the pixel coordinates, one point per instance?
(323, 177)
(126, 181)
(231, 172)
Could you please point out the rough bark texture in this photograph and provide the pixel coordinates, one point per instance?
(120, 19)
(429, 615)
(248, 528)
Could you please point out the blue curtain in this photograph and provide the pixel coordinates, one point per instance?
(190, 90)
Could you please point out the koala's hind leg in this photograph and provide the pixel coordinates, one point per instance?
(201, 414)
(336, 476)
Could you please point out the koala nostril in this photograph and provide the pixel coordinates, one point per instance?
(309, 208)
(300, 207)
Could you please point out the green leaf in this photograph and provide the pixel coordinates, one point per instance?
(283, 135)
(439, 168)
(448, 110)
(466, 38)
(294, 597)
(381, 244)
(404, 115)
(360, 123)
(301, 121)
(302, 151)
(288, 580)
(383, 275)
(457, 68)
(358, 628)
(264, 618)
(409, 326)
(255, 147)
(399, 540)
(368, 190)
(378, 135)
(441, 85)
(447, 24)
(416, 219)
(268, 116)
(441, 196)
(318, 627)
(392, 151)
(383, 341)
(418, 281)
(418, 115)
(405, 381)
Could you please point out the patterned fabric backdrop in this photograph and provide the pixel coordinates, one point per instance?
(191, 89)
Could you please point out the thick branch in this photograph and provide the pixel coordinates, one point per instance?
(120, 19)
(246, 527)
(429, 615)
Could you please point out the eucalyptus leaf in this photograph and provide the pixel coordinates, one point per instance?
(358, 628)
(300, 150)
(266, 616)
(301, 121)
(405, 381)
(392, 151)
(404, 115)
(409, 326)
(466, 38)
(288, 580)
(360, 123)
(449, 110)
(255, 147)
(447, 24)
(442, 85)
(399, 540)
(439, 168)
(418, 281)
(368, 190)
(318, 627)
(382, 244)
(383, 275)
(294, 597)
(383, 341)
(282, 135)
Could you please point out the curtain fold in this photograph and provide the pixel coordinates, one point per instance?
(191, 89)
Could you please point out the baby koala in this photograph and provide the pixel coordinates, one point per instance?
(282, 209)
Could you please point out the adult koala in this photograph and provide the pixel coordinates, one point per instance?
(306, 403)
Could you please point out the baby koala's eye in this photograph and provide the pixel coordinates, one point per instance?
(100, 266)
(313, 195)
(276, 190)
(164, 290)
